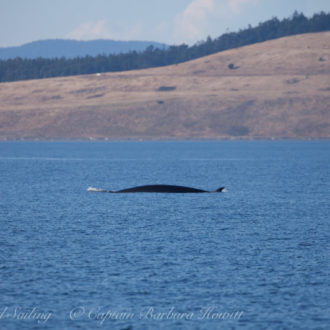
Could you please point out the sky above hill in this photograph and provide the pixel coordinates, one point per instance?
(169, 21)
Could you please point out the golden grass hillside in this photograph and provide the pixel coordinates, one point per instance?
(275, 89)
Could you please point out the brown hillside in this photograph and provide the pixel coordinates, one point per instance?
(276, 89)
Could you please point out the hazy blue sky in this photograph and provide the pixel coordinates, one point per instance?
(169, 21)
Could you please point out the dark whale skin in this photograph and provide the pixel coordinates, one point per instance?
(161, 188)
(157, 188)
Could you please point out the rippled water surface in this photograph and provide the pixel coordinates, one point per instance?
(254, 257)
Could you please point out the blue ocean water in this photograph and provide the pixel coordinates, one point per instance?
(254, 257)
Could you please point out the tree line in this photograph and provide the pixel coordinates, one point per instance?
(22, 69)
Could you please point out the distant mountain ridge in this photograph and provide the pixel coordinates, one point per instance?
(277, 89)
(53, 48)
(26, 69)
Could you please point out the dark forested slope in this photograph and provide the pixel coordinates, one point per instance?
(22, 69)
(74, 48)
(271, 90)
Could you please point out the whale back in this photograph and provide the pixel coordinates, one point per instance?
(158, 188)
(161, 188)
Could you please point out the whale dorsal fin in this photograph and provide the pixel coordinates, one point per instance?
(220, 189)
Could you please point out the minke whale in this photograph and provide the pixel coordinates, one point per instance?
(157, 188)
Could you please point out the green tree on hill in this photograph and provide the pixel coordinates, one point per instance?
(20, 69)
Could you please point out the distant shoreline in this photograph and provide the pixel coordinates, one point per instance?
(279, 90)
